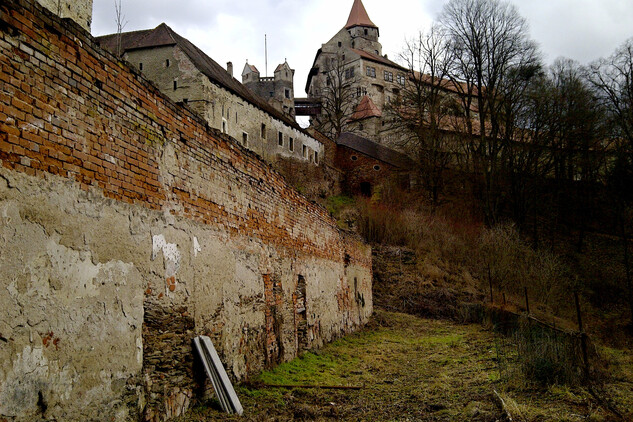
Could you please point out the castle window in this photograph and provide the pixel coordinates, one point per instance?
(377, 167)
(167, 63)
(316, 157)
(349, 73)
(271, 94)
(365, 32)
(287, 93)
(400, 79)
(263, 133)
(280, 141)
(304, 151)
(343, 57)
(224, 126)
(340, 44)
(354, 157)
(291, 144)
(371, 71)
(175, 85)
(244, 138)
(388, 76)
(140, 66)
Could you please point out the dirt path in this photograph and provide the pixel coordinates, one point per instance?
(411, 369)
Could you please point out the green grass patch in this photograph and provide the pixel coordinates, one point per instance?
(335, 204)
(310, 369)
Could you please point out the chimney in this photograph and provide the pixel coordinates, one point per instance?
(229, 68)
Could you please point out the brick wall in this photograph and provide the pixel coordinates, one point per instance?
(361, 170)
(170, 228)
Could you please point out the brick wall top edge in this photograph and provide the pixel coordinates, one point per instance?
(118, 158)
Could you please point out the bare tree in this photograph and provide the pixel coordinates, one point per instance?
(336, 92)
(120, 24)
(612, 79)
(422, 115)
(489, 38)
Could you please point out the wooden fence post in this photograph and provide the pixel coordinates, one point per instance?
(583, 338)
(492, 299)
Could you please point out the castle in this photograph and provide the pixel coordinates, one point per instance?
(259, 114)
(352, 62)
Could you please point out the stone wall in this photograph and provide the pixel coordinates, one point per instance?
(78, 10)
(364, 173)
(127, 227)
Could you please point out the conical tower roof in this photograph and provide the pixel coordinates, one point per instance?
(358, 16)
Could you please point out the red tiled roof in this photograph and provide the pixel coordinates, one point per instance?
(365, 109)
(358, 16)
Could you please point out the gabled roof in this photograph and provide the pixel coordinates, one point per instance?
(358, 16)
(376, 151)
(163, 35)
(282, 66)
(148, 38)
(250, 68)
(365, 109)
(376, 58)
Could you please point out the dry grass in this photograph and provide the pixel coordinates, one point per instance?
(412, 369)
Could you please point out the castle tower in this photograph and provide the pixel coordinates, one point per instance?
(278, 90)
(363, 31)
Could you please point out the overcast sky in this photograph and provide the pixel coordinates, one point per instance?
(233, 30)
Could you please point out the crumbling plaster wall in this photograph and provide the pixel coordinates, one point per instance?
(127, 227)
